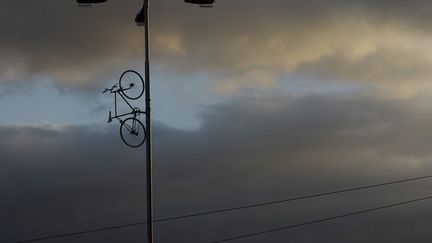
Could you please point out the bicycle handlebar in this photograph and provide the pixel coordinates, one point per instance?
(110, 90)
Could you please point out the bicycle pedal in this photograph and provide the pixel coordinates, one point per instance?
(110, 117)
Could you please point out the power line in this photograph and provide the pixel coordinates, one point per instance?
(321, 220)
(295, 198)
(82, 232)
(229, 209)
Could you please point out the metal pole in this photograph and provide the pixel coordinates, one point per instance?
(148, 127)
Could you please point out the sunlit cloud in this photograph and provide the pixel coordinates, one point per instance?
(384, 44)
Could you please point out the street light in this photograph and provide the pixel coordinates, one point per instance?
(202, 3)
(89, 3)
(142, 19)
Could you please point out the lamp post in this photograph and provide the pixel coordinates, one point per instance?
(142, 19)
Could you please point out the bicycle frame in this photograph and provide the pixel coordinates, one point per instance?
(135, 111)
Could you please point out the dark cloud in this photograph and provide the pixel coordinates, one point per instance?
(58, 40)
(57, 179)
(234, 43)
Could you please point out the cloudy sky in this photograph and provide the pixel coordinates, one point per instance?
(253, 101)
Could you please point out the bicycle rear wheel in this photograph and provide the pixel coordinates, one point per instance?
(133, 132)
(131, 84)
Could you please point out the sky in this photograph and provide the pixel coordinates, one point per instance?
(253, 101)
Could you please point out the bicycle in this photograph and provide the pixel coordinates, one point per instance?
(130, 86)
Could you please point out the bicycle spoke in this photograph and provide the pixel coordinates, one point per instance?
(129, 128)
(130, 132)
(132, 84)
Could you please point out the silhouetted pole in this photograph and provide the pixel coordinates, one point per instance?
(148, 126)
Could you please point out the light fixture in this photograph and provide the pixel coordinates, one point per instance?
(89, 3)
(140, 18)
(202, 3)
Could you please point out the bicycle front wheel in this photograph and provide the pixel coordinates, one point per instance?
(133, 132)
(131, 84)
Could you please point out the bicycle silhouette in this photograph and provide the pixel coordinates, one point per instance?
(130, 86)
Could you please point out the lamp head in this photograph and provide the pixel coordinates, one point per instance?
(89, 3)
(140, 18)
(202, 3)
